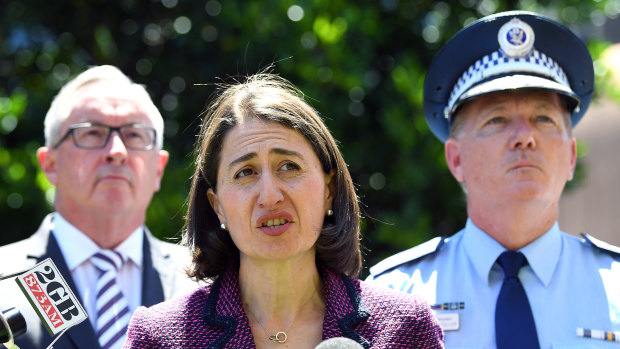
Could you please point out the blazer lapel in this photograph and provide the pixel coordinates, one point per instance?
(83, 334)
(213, 318)
(152, 289)
(224, 311)
(343, 306)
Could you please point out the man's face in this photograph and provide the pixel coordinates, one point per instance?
(513, 147)
(113, 179)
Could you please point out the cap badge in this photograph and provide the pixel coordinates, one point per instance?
(516, 38)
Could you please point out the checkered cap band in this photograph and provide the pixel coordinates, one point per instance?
(498, 63)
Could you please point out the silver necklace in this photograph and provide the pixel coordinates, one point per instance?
(280, 336)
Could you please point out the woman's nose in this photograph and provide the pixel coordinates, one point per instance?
(270, 193)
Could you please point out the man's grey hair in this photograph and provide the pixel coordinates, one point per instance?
(59, 110)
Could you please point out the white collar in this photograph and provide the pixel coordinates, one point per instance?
(542, 254)
(77, 247)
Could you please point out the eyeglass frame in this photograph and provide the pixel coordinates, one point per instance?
(72, 128)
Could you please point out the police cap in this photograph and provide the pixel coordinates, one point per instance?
(508, 50)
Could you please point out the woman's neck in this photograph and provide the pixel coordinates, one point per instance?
(278, 288)
(283, 296)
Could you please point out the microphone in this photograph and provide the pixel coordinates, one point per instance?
(51, 298)
(12, 324)
(339, 343)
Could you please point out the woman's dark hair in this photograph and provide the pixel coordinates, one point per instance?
(271, 98)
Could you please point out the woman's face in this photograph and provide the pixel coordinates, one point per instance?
(272, 193)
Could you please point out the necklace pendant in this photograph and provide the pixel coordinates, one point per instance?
(279, 337)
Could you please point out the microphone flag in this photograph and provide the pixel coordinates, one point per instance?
(51, 298)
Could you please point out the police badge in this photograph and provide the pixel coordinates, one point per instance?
(516, 38)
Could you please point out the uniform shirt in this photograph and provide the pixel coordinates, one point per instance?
(570, 284)
(77, 248)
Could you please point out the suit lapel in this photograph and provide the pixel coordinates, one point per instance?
(152, 288)
(83, 334)
(154, 266)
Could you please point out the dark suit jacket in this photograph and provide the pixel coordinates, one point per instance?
(213, 317)
(162, 279)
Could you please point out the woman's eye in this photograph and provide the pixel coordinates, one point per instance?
(244, 173)
(289, 166)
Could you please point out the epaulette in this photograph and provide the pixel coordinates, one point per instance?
(601, 245)
(410, 255)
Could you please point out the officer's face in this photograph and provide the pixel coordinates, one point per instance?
(513, 147)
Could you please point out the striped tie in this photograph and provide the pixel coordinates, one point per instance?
(112, 309)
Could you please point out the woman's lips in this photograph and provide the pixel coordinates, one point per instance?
(276, 229)
(274, 224)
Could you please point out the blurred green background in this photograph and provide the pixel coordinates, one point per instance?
(360, 63)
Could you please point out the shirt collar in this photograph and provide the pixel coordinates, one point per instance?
(542, 254)
(481, 249)
(131, 248)
(77, 247)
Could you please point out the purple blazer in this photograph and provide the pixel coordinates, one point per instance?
(213, 317)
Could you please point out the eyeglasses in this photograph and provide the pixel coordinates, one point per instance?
(87, 135)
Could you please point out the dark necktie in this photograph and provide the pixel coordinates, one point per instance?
(514, 323)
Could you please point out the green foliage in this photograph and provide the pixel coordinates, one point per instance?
(360, 63)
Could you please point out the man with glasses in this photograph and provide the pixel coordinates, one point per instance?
(103, 152)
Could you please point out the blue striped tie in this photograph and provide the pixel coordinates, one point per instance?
(514, 322)
(112, 309)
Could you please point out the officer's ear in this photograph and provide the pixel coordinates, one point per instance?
(573, 158)
(452, 151)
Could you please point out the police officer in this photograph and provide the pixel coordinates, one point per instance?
(503, 95)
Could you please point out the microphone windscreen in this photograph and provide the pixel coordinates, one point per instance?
(339, 343)
(15, 322)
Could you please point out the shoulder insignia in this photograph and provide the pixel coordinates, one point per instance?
(601, 245)
(409, 255)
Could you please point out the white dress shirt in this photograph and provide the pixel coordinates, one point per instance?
(77, 248)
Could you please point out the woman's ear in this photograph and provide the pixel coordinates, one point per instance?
(215, 204)
(330, 189)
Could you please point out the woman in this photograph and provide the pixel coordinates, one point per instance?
(273, 221)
